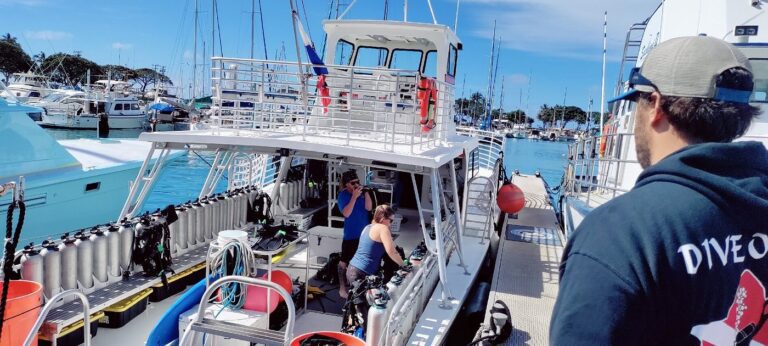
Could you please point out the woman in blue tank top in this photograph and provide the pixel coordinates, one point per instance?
(375, 240)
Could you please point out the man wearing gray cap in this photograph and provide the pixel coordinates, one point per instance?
(682, 258)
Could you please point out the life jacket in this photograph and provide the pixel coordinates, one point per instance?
(325, 94)
(427, 95)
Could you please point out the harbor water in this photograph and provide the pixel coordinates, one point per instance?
(183, 178)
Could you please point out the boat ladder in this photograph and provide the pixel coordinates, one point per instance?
(51, 304)
(201, 324)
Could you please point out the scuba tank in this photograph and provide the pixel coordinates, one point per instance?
(113, 250)
(179, 240)
(234, 208)
(84, 259)
(126, 243)
(99, 241)
(377, 314)
(227, 214)
(31, 264)
(244, 197)
(200, 220)
(222, 202)
(186, 223)
(214, 214)
(283, 201)
(51, 268)
(192, 210)
(68, 250)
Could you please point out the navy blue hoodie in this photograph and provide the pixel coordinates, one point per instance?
(680, 259)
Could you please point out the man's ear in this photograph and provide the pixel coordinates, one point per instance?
(656, 115)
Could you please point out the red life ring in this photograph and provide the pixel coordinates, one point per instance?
(429, 106)
(325, 94)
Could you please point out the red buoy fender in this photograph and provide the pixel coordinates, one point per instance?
(510, 199)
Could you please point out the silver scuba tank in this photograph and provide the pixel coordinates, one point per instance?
(126, 243)
(243, 208)
(179, 242)
(229, 211)
(234, 206)
(377, 316)
(51, 268)
(283, 200)
(291, 194)
(68, 251)
(31, 264)
(100, 247)
(190, 216)
(113, 250)
(84, 259)
(193, 208)
(213, 213)
(200, 220)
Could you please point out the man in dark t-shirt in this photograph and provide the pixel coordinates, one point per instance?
(355, 210)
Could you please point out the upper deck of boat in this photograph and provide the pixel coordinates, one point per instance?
(412, 151)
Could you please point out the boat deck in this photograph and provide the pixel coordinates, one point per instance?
(529, 251)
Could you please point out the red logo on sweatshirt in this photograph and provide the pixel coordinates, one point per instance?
(745, 323)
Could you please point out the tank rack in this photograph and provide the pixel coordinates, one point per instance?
(101, 299)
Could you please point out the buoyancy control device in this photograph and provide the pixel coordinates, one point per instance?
(151, 248)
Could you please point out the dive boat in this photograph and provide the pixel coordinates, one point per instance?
(106, 98)
(278, 217)
(70, 184)
(605, 166)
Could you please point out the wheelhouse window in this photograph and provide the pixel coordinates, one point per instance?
(430, 64)
(119, 107)
(453, 55)
(371, 57)
(344, 51)
(34, 94)
(134, 106)
(403, 59)
(760, 72)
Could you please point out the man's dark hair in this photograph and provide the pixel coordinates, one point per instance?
(708, 120)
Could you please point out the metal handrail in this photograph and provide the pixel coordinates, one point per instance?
(418, 280)
(249, 281)
(50, 305)
(384, 102)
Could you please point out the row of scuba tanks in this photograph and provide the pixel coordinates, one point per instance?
(92, 258)
(296, 191)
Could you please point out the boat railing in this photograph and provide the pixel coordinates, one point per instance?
(201, 323)
(52, 303)
(410, 303)
(595, 167)
(355, 105)
(488, 153)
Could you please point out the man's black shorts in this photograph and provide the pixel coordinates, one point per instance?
(348, 249)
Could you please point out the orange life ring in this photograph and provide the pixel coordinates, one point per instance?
(325, 94)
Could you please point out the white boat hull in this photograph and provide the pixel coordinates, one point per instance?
(91, 121)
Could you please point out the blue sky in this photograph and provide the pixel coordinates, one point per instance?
(558, 43)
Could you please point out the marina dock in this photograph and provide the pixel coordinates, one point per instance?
(526, 275)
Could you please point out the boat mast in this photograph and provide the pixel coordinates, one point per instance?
(602, 86)
(253, 20)
(194, 56)
(490, 74)
(456, 19)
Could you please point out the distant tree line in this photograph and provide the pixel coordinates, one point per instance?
(70, 69)
(476, 107)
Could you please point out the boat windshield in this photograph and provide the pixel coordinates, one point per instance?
(760, 72)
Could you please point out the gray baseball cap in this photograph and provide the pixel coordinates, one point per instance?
(689, 67)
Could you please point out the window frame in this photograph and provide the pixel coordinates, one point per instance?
(452, 49)
(421, 57)
(386, 59)
(352, 55)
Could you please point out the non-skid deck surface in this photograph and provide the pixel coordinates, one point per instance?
(526, 271)
(102, 298)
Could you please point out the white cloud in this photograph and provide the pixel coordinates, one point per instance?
(21, 2)
(557, 28)
(47, 35)
(516, 79)
(120, 45)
